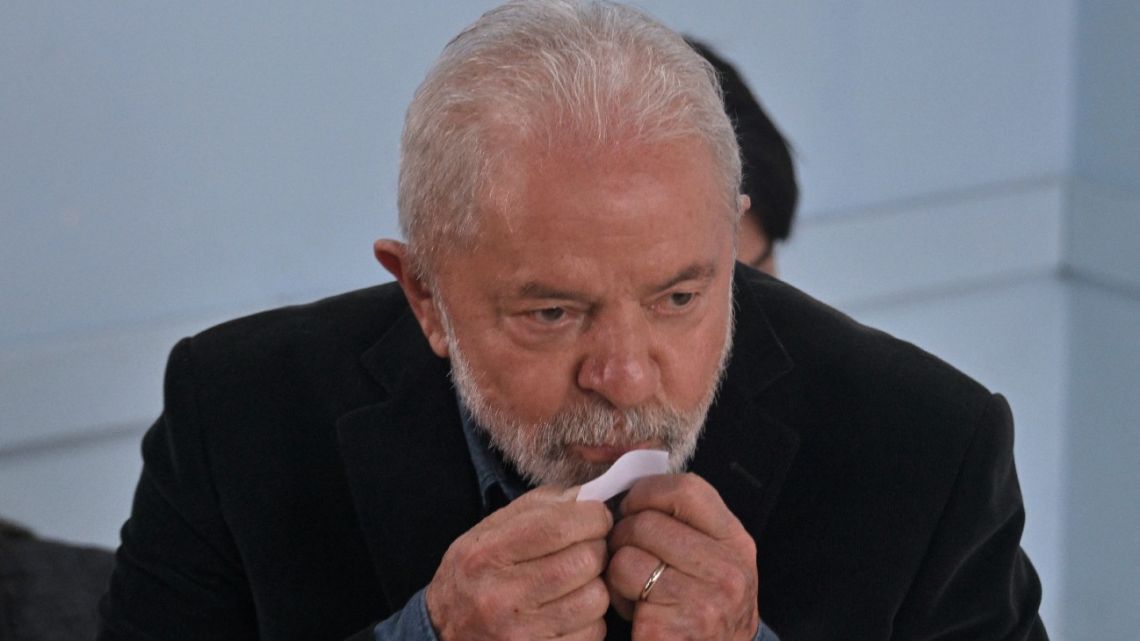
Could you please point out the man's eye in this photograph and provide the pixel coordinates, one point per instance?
(681, 299)
(549, 315)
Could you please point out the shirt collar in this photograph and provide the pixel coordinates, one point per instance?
(497, 479)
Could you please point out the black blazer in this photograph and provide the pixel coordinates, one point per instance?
(309, 471)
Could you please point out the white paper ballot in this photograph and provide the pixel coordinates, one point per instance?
(625, 471)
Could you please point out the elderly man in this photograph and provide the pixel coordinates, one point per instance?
(402, 462)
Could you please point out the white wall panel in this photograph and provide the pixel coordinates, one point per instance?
(1103, 489)
(1103, 231)
(1106, 96)
(52, 390)
(80, 492)
(885, 101)
(1103, 258)
(932, 244)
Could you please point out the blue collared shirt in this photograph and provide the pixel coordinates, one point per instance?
(498, 485)
(496, 480)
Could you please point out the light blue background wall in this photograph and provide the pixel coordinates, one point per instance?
(971, 179)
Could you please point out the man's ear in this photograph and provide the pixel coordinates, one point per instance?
(393, 255)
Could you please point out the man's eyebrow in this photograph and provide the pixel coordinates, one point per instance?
(534, 289)
(702, 271)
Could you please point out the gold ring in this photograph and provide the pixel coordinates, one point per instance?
(652, 580)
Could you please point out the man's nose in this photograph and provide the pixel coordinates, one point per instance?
(618, 365)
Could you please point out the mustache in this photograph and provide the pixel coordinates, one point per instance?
(598, 423)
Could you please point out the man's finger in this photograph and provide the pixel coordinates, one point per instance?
(630, 569)
(576, 610)
(687, 498)
(668, 539)
(553, 576)
(538, 528)
(593, 631)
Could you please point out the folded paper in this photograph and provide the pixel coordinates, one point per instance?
(625, 471)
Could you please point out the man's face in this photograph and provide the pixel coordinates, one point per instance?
(593, 315)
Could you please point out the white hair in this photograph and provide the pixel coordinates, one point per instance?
(593, 74)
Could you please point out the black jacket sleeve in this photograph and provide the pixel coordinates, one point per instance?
(178, 573)
(975, 583)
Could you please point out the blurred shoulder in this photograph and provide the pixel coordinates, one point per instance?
(345, 323)
(849, 360)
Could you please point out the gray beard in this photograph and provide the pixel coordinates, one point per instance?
(542, 452)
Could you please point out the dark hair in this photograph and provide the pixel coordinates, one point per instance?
(769, 175)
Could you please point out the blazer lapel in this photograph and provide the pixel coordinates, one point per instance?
(745, 453)
(407, 464)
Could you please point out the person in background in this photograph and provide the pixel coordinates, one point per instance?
(49, 591)
(769, 174)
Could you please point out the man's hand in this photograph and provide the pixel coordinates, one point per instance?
(708, 589)
(531, 570)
